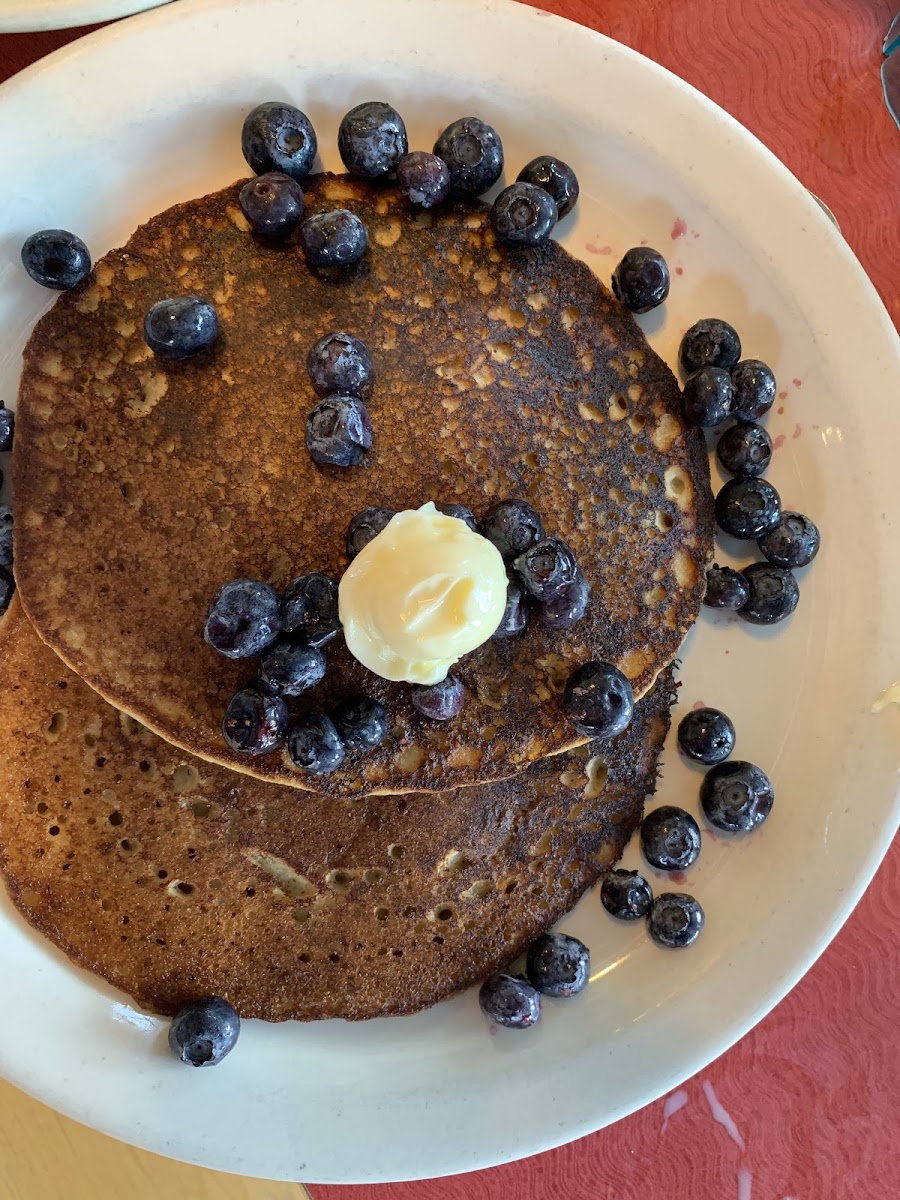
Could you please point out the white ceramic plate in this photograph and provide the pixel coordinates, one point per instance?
(148, 112)
(18, 16)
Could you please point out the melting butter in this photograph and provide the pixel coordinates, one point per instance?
(420, 595)
(890, 695)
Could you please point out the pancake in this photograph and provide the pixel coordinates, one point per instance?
(174, 878)
(142, 487)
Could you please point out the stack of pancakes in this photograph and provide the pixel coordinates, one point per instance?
(129, 833)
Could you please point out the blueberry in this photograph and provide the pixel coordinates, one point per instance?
(568, 606)
(365, 526)
(290, 668)
(523, 215)
(6, 536)
(473, 153)
(7, 428)
(204, 1031)
(339, 362)
(736, 796)
(794, 541)
(510, 1001)
(439, 701)
(641, 280)
(362, 723)
(546, 568)
(315, 745)
(745, 450)
(244, 619)
(334, 239)
(372, 139)
(515, 614)
(56, 259)
(423, 178)
(7, 588)
(310, 607)
(338, 431)
(558, 965)
(599, 700)
(707, 397)
(461, 513)
(725, 588)
(273, 204)
(754, 389)
(747, 508)
(773, 594)
(279, 137)
(675, 920)
(670, 838)
(709, 343)
(255, 721)
(513, 526)
(706, 735)
(181, 327)
(626, 895)
(555, 177)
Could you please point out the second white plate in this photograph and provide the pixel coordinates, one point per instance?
(21, 16)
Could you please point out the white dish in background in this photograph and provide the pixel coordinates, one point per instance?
(26, 16)
(146, 113)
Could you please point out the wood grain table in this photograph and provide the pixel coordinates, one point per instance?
(807, 1106)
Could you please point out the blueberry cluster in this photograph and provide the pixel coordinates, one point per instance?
(280, 145)
(720, 385)
(543, 573)
(339, 428)
(556, 965)
(674, 919)
(287, 634)
(525, 213)
(735, 796)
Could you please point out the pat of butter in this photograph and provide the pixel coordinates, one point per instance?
(422, 593)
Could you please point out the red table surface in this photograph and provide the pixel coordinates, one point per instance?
(807, 1106)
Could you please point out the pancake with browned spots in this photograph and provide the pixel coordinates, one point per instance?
(174, 878)
(141, 487)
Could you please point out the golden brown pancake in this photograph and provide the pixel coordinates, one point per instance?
(142, 487)
(174, 878)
